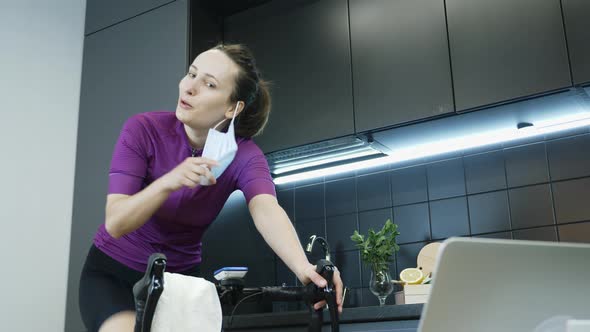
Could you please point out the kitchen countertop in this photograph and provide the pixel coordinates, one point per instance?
(349, 315)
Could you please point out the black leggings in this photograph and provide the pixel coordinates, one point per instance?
(106, 288)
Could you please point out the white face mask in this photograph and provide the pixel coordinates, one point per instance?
(220, 147)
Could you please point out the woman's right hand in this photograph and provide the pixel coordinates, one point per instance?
(188, 174)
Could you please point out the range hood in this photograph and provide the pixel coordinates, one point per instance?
(513, 122)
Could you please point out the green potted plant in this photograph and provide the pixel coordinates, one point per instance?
(377, 250)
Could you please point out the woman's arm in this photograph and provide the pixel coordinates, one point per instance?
(273, 224)
(126, 213)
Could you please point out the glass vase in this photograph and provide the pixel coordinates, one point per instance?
(381, 284)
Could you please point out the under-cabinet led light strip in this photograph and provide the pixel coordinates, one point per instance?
(449, 145)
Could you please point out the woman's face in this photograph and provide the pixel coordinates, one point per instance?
(204, 93)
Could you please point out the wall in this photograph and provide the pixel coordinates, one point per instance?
(41, 62)
(232, 240)
(532, 191)
(134, 56)
(524, 192)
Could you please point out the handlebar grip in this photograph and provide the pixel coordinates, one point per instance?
(155, 267)
(325, 268)
(286, 293)
(155, 290)
(143, 288)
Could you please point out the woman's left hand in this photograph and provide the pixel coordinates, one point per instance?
(309, 274)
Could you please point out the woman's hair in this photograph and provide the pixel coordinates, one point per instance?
(249, 88)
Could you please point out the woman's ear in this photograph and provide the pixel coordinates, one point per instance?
(230, 111)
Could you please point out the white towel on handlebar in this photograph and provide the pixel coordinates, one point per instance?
(187, 304)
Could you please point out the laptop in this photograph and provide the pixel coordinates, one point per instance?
(490, 285)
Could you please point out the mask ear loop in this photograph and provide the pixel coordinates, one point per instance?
(232, 118)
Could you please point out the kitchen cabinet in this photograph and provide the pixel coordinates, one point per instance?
(122, 75)
(505, 49)
(576, 14)
(103, 13)
(303, 49)
(400, 61)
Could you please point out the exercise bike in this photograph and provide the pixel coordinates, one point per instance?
(148, 289)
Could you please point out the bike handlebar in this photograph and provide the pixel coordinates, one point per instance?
(148, 290)
(310, 294)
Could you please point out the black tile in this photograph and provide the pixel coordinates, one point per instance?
(348, 264)
(309, 202)
(373, 191)
(353, 298)
(369, 299)
(341, 197)
(501, 235)
(413, 222)
(374, 219)
(575, 232)
(531, 206)
(482, 149)
(407, 163)
(443, 156)
(568, 157)
(408, 185)
(523, 141)
(566, 133)
(286, 200)
(284, 275)
(308, 182)
(449, 217)
(339, 230)
(366, 272)
(485, 172)
(258, 275)
(285, 186)
(536, 234)
(235, 226)
(308, 228)
(340, 176)
(446, 179)
(526, 165)
(407, 256)
(571, 200)
(489, 212)
(375, 169)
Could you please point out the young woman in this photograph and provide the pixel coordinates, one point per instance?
(163, 193)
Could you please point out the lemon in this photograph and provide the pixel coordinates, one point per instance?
(411, 276)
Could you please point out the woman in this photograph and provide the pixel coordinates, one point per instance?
(163, 193)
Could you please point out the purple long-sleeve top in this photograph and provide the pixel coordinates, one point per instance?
(150, 145)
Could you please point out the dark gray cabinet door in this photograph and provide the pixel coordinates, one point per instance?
(505, 49)
(400, 61)
(103, 13)
(303, 48)
(129, 68)
(577, 26)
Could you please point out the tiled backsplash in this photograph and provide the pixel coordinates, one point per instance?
(536, 191)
